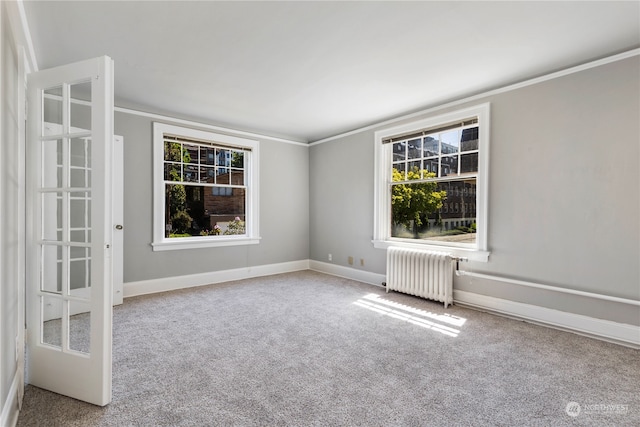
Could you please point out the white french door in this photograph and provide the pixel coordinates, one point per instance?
(70, 229)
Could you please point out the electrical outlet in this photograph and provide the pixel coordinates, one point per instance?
(350, 260)
(330, 257)
(362, 262)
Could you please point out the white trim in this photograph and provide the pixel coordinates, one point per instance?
(191, 123)
(548, 288)
(469, 254)
(368, 277)
(202, 242)
(515, 86)
(22, 218)
(20, 29)
(3, 158)
(194, 124)
(252, 214)
(164, 284)
(10, 411)
(618, 333)
(382, 177)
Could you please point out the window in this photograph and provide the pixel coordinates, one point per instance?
(205, 189)
(430, 177)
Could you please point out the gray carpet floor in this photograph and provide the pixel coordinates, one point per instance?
(308, 349)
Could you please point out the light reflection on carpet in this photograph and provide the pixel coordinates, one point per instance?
(415, 316)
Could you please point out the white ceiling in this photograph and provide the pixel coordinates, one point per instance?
(310, 70)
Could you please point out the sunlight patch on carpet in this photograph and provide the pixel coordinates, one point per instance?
(415, 316)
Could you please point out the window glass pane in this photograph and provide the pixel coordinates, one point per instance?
(431, 146)
(237, 159)
(414, 148)
(469, 163)
(177, 219)
(223, 157)
(194, 210)
(172, 172)
(431, 165)
(450, 141)
(207, 156)
(411, 207)
(399, 151)
(190, 153)
(469, 139)
(222, 176)
(449, 166)
(415, 166)
(398, 172)
(442, 211)
(172, 151)
(207, 174)
(237, 177)
(226, 209)
(190, 173)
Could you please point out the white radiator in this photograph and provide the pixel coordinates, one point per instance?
(421, 273)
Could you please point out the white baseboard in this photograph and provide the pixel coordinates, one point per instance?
(9, 417)
(619, 333)
(347, 272)
(164, 284)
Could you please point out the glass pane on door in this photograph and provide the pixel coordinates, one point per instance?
(52, 261)
(79, 326)
(53, 108)
(80, 108)
(51, 310)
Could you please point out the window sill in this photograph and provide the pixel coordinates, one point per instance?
(198, 243)
(471, 254)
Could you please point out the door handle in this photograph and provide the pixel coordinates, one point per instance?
(118, 226)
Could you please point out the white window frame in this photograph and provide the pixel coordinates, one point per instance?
(382, 239)
(252, 223)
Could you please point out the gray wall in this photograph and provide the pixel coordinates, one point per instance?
(284, 210)
(563, 193)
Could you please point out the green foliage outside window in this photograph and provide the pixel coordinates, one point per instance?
(411, 203)
(176, 195)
